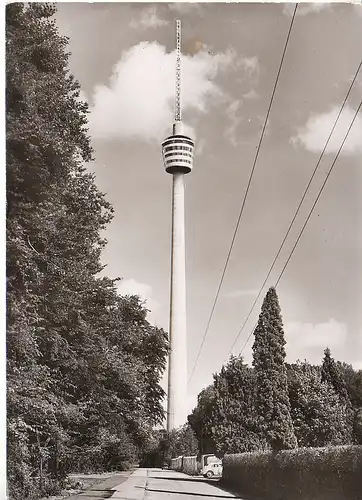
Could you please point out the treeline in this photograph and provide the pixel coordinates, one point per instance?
(275, 405)
(83, 363)
(167, 445)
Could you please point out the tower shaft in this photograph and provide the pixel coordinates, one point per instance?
(178, 155)
(177, 375)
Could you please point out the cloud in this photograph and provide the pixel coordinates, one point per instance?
(148, 19)
(138, 100)
(251, 95)
(250, 70)
(358, 10)
(200, 147)
(132, 287)
(250, 65)
(305, 8)
(232, 113)
(241, 293)
(185, 7)
(308, 340)
(313, 136)
(357, 365)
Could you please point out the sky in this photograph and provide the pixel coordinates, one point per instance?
(123, 56)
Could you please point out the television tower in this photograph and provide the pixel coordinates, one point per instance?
(178, 152)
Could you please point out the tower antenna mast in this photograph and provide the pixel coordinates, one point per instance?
(178, 73)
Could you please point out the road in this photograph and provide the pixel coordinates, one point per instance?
(158, 484)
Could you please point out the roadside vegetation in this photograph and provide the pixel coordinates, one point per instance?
(284, 430)
(83, 363)
(274, 405)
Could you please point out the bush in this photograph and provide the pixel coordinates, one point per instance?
(331, 473)
(110, 456)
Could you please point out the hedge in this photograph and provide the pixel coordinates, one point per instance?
(330, 473)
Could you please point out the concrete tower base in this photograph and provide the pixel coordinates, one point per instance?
(177, 376)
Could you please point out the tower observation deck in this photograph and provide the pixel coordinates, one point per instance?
(178, 151)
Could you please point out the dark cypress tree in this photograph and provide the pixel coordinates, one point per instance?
(272, 401)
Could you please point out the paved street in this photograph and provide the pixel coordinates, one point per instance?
(153, 484)
(157, 484)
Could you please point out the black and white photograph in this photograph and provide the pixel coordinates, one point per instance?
(183, 276)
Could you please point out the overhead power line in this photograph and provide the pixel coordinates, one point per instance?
(309, 215)
(319, 194)
(298, 209)
(245, 196)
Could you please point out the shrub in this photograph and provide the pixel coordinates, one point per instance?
(331, 473)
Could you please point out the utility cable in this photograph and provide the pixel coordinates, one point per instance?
(309, 215)
(245, 196)
(319, 194)
(298, 209)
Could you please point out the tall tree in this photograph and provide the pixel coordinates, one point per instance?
(187, 441)
(332, 374)
(234, 428)
(83, 363)
(272, 402)
(46, 141)
(201, 422)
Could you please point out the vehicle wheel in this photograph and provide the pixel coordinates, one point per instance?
(209, 474)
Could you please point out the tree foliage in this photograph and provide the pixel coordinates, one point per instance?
(167, 445)
(275, 404)
(234, 419)
(319, 417)
(83, 363)
(353, 383)
(332, 374)
(272, 402)
(180, 442)
(201, 420)
(185, 442)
